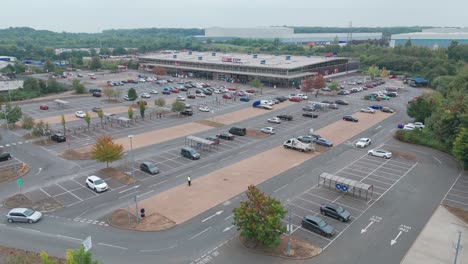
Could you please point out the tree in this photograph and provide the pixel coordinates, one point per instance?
(49, 66)
(460, 146)
(408, 43)
(373, 72)
(307, 85)
(333, 86)
(130, 112)
(142, 107)
(95, 63)
(160, 102)
(424, 106)
(78, 87)
(178, 107)
(100, 114)
(87, 119)
(63, 122)
(259, 218)
(40, 129)
(77, 256)
(27, 122)
(117, 94)
(106, 150)
(256, 83)
(158, 70)
(109, 92)
(12, 114)
(132, 93)
(384, 72)
(319, 82)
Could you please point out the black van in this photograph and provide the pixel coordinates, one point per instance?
(189, 153)
(238, 131)
(5, 156)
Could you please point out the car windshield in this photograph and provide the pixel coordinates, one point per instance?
(97, 182)
(321, 223)
(339, 209)
(151, 165)
(192, 151)
(28, 212)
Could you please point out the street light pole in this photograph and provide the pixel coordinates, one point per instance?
(289, 232)
(134, 180)
(457, 248)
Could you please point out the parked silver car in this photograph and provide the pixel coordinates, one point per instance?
(24, 215)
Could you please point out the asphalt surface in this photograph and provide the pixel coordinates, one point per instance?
(407, 191)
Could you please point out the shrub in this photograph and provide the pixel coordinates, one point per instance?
(27, 122)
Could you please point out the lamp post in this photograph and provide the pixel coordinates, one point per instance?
(134, 180)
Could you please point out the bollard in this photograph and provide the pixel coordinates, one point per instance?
(142, 212)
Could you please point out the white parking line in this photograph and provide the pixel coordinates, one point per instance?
(138, 196)
(404, 163)
(69, 192)
(347, 206)
(375, 175)
(455, 201)
(108, 245)
(200, 233)
(302, 208)
(45, 192)
(389, 173)
(298, 197)
(455, 189)
(368, 178)
(280, 187)
(161, 182)
(463, 197)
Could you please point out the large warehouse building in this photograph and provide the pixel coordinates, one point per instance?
(432, 37)
(284, 34)
(279, 70)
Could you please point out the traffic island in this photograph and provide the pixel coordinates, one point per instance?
(123, 218)
(22, 201)
(299, 249)
(117, 175)
(13, 172)
(73, 154)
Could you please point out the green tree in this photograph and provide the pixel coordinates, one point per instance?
(424, 106)
(49, 66)
(160, 102)
(80, 256)
(78, 87)
(333, 86)
(259, 218)
(142, 107)
(132, 94)
(460, 146)
(408, 43)
(11, 114)
(63, 122)
(117, 94)
(87, 119)
(384, 73)
(178, 107)
(100, 114)
(106, 150)
(40, 129)
(130, 112)
(373, 72)
(95, 63)
(109, 92)
(27, 122)
(256, 83)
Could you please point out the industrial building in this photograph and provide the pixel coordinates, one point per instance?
(279, 70)
(432, 37)
(284, 35)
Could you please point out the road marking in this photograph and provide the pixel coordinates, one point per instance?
(157, 183)
(365, 229)
(215, 214)
(73, 238)
(145, 193)
(134, 187)
(108, 245)
(453, 184)
(127, 195)
(27, 229)
(45, 192)
(69, 192)
(183, 174)
(438, 160)
(393, 241)
(157, 250)
(40, 169)
(281, 187)
(455, 201)
(229, 217)
(206, 165)
(200, 233)
(228, 228)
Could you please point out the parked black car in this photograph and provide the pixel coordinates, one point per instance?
(285, 117)
(239, 131)
(350, 118)
(187, 112)
(335, 211)
(317, 225)
(341, 102)
(310, 115)
(226, 136)
(58, 137)
(96, 109)
(5, 156)
(387, 110)
(327, 102)
(149, 167)
(97, 94)
(308, 108)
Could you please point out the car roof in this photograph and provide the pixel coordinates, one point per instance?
(313, 218)
(94, 177)
(147, 163)
(18, 210)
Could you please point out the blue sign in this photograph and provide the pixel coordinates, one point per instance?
(338, 186)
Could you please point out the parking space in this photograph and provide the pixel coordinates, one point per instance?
(457, 196)
(382, 174)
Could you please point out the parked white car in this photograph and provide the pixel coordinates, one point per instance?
(303, 96)
(363, 142)
(419, 125)
(141, 80)
(274, 120)
(80, 114)
(154, 92)
(145, 95)
(204, 109)
(368, 110)
(201, 95)
(180, 98)
(268, 130)
(409, 127)
(217, 91)
(382, 153)
(97, 184)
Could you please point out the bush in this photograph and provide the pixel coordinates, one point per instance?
(421, 137)
(40, 129)
(366, 97)
(27, 122)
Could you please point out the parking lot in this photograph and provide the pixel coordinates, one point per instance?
(382, 174)
(458, 194)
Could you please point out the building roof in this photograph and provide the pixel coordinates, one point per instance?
(432, 35)
(271, 61)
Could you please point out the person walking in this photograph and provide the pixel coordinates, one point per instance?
(189, 181)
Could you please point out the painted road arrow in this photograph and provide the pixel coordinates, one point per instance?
(40, 169)
(365, 229)
(208, 218)
(228, 228)
(395, 240)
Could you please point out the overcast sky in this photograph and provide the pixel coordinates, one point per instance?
(98, 15)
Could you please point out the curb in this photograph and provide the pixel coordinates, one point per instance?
(132, 229)
(274, 255)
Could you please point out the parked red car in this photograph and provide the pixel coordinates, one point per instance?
(250, 91)
(231, 89)
(191, 96)
(44, 107)
(227, 96)
(369, 86)
(392, 76)
(174, 90)
(295, 99)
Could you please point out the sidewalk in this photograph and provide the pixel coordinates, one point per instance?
(436, 242)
